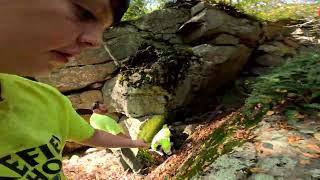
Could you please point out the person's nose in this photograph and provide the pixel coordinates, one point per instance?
(91, 36)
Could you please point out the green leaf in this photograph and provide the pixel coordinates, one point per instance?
(312, 106)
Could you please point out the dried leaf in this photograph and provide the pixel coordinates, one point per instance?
(317, 136)
(270, 113)
(314, 147)
(305, 162)
(257, 170)
(299, 116)
(220, 149)
(314, 156)
(241, 134)
(293, 139)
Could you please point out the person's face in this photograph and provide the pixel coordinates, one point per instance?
(36, 35)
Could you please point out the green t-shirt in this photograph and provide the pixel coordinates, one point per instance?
(35, 122)
(105, 123)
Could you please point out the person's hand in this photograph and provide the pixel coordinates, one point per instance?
(139, 143)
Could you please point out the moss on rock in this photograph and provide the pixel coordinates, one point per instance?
(160, 67)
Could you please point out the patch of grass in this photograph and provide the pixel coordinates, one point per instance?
(274, 11)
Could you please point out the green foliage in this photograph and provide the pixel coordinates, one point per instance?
(145, 156)
(139, 8)
(151, 127)
(136, 9)
(276, 9)
(294, 87)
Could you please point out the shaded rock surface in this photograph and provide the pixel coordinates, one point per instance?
(210, 22)
(276, 153)
(75, 78)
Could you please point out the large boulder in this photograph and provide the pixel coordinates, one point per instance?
(85, 99)
(166, 21)
(226, 39)
(137, 94)
(269, 60)
(217, 66)
(134, 102)
(156, 28)
(124, 41)
(90, 57)
(75, 78)
(210, 22)
(277, 48)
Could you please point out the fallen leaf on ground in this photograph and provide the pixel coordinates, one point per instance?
(270, 113)
(257, 170)
(314, 147)
(220, 148)
(293, 139)
(299, 116)
(241, 134)
(314, 156)
(305, 162)
(317, 136)
(269, 129)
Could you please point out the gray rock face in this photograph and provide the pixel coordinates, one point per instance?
(86, 99)
(275, 154)
(123, 42)
(211, 73)
(198, 8)
(277, 48)
(75, 78)
(269, 60)
(165, 21)
(226, 39)
(217, 65)
(213, 21)
(134, 102)
(90, 57)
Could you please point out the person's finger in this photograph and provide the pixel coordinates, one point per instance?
(141, 143)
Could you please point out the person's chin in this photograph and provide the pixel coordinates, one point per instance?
(40, 72)
(45, 69)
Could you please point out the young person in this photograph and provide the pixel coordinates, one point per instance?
(36, 119)
(99, 120)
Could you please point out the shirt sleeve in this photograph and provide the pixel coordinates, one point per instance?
(79, 129)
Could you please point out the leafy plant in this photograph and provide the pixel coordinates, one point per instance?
(295, 86)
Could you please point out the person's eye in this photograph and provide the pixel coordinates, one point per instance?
(84, 14)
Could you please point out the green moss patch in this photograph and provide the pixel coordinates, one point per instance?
(160, 67)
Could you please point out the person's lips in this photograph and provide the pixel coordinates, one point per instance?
(63, 56)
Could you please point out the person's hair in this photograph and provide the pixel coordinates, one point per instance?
(119, 7)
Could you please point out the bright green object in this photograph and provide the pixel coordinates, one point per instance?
(150, 128)
(105, 123)
(35, 122)
(162, 138)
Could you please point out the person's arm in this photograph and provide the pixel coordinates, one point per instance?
(124, 135)
(104, 139)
